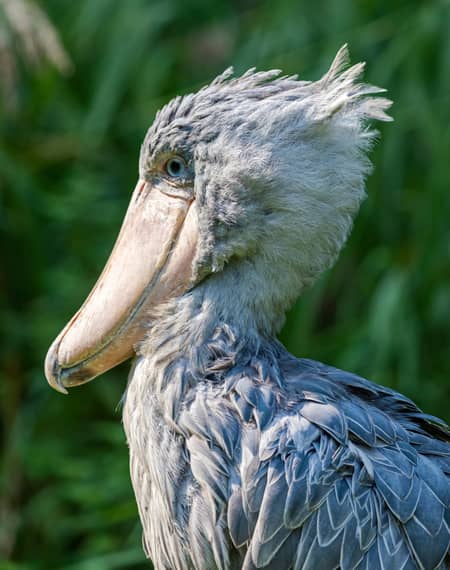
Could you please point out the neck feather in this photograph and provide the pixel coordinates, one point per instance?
(198, 338)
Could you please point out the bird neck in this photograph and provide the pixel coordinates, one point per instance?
(202, 334)
(251, 295)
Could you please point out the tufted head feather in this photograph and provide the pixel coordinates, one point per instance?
(279, 167)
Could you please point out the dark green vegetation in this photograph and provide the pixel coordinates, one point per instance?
(68, 161)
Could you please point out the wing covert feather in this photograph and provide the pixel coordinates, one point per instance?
(340, 484)
(299, 475)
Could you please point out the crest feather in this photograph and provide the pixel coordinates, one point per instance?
(340, 62)
(341, 89)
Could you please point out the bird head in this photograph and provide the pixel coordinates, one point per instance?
(247, 190)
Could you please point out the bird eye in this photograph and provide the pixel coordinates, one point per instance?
(175, 167)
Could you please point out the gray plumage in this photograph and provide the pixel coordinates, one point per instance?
(241, 455)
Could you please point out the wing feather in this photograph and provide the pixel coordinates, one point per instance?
(312, 477)
(346, 481)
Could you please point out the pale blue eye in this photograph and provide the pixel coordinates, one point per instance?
(176, 167)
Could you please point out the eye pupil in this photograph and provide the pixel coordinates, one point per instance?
(175, 167)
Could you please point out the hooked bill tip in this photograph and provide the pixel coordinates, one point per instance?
(53, 370)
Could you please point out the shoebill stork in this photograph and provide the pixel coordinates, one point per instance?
(243, 456)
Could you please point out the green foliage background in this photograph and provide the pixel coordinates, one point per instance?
(68, 162)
